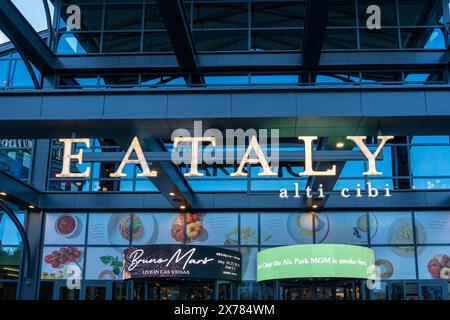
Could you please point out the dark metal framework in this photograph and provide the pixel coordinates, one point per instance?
(102, 111)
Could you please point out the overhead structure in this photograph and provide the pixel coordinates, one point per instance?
(26, 40)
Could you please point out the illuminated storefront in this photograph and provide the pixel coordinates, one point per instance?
(131, 76)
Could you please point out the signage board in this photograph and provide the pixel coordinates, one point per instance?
(315, 261)
(181, 262)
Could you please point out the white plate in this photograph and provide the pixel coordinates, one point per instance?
(115, 238)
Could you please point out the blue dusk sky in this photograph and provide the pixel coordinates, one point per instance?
(33, 10)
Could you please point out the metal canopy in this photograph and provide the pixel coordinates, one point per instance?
(177, 26)
(26, 40)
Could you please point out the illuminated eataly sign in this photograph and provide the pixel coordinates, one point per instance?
(253, 146)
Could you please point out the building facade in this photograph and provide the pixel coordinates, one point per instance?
(109, 71)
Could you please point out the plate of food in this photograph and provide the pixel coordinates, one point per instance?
(136, 227)
(401, 233)
(301, 227)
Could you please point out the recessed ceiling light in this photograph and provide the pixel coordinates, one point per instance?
(315, 206)
(3, 194)
(182, 207)
(172, 194)
(340, 145)
(31, 207)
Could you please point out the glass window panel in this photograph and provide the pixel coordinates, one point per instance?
(345, 228)
(277, 184)
(78, 43)
(286, 228)
(352, 169)
(91, 16)
(3, 72)
(388, 12)
(382, 77)
(249, 228)
(424, 77)
(163, 228)
(432, 227)
(69, 185)
(430, 140)
(16, 162)
(82, 81)
(221, 40)
(394, 266)
(423, 38)
(122, 80)
(264, 40)
(350, 184)
(339, 39)
(278, 14)
(158, 80)
(157, 42)
(153, 19)
(248, 263)
(220, 15)
(379, 39)
(62, 262)
(274, 79)
(116, 42)
(9, 235)
(214, 229)
(104, 263)
(420, 12)
(423, 156)
(145, 185)
(64, 228)
(338, 78)
(434, 262)
(210, 185)
(109, 228)
(123, 17)
(342, 13)
(215, 80)
(19, 75)
(393, 228)
(10, 263)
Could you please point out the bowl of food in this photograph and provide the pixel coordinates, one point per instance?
(192, 223)
(439, 267)
(66, 226)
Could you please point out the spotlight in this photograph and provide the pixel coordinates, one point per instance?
(340, 145)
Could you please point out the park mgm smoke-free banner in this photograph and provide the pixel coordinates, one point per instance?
(315, 261)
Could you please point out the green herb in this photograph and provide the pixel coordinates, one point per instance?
(115, 263)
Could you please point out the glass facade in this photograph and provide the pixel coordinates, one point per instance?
(240, 48)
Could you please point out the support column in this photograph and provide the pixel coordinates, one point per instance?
(29, 288)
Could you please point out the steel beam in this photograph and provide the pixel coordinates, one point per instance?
(315, 27)
(259, 61)
(177, 26)
(17, 191)
(400, 200)
(26, 40)
(169, 178)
